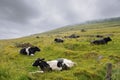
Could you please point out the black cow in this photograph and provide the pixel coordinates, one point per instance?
(99, 36)
(74, 36)
(29, 50)
(58, 40)
(101, 41)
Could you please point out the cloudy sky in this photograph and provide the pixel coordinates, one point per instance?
(25, 17)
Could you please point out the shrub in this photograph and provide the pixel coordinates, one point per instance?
(23, 45)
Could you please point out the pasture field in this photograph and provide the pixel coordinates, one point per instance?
(91, 60)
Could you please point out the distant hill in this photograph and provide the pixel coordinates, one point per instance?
(102, 23)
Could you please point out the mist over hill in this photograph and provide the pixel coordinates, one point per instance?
(86, 25)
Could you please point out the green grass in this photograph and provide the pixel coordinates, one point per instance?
(14, 66)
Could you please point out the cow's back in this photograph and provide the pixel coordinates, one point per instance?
(53, 65)
(69, 63)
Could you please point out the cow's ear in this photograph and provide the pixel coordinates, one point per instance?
(38, 59)
(43, 59)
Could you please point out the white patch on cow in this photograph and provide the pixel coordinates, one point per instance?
(39, 71)
(53, 65)
(27, 50)
(36, 72)
(69, 63)
(31, 54)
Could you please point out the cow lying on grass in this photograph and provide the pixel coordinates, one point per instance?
(29, 50)
(58, 40)
(101, 41)
(72, 36)
(59, 64)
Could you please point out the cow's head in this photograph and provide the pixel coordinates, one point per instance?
(37, 62)
(107, 39)
(32, 50)
(35, 48)
(42, 64)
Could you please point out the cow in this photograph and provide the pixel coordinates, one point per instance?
(58, 40)
(99, 36)
(101, 41)
(83, 30)
(58, 65)
(29, 50)
(74, 36)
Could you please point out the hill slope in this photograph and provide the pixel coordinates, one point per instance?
(111, 22)
(91, 60)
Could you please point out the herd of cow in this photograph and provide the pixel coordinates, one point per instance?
(59, 64)
(46, 66)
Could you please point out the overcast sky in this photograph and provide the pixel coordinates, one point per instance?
(24, 17)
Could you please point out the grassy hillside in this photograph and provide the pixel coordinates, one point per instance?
(14, 66)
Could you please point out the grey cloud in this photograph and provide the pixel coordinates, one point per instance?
(24, 17)
(17, 11)
(108, 8)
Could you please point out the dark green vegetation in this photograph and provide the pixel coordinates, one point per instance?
(91, 59)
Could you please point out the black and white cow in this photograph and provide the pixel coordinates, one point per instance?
(29, 50)
(58, 40)
(59, 64)
(101, 41)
